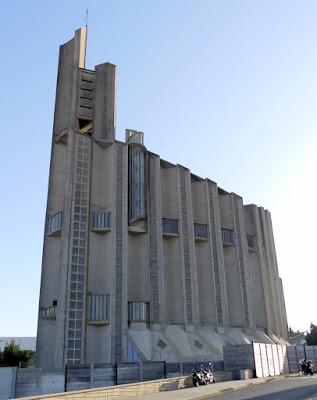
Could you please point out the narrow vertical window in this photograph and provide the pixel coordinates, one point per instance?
(98, 307)
(227, 236)
(201, 231)
(101, 221)
(136, 182)
(54, 223)
(251, 242)
(170, 226)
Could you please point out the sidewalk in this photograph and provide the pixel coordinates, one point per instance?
(204, 392)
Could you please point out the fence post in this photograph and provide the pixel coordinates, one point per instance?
(141, 371)
(288, 361)
(315, 355)
(13, 382)
(39, 381)
(116, 373)
(91, 375)
(297, 360)
(65, 378)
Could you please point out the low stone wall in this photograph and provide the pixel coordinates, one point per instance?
(27, 382)
(122, 392)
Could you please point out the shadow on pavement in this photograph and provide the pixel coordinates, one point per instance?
(302, 392)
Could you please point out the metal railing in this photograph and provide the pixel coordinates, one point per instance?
(48, 312)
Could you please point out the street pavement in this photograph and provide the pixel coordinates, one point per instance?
(275, 388)
(295, 388)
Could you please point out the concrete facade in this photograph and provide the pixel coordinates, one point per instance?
(142, 260)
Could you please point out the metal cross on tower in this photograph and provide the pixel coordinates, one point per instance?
(86, 17)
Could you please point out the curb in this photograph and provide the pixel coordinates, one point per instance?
(234, 389)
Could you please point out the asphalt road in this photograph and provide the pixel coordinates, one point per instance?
(295, 388)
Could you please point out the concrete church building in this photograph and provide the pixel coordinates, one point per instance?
(142, 259)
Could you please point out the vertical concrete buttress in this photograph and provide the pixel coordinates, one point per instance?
(280, 306)
(243, 261)
(188, 248)
(120, 311)
(269, 272)
(157, 309)
(284, 314)
(104, 122)
(217, 258)
(262, 264)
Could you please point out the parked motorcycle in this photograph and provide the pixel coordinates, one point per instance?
(198, 378)
(203, 376)
(306, 367)
(209, 376)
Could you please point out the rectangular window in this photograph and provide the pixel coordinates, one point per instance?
(54, 223)
(170, 226)
(101, 221)
(201, 231)
(138, 311)
(98, 307)
(227, 236)
(251, 242)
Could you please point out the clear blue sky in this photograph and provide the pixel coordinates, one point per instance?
(226, 88)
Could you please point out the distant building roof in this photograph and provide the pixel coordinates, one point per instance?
(297, 338)
(25, 342)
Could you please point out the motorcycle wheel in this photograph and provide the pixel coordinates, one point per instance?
(195, 382)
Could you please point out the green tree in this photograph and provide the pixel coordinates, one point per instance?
(311, 337)
(12, 355)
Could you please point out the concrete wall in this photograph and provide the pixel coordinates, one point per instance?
(263, 359)
(32, 381)
(298, 352)
(235, 301)
(138, 271)
(56, 249)
(7, 382)
(258, 294)
(101, 255)
(203, 252)
(174, 295)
